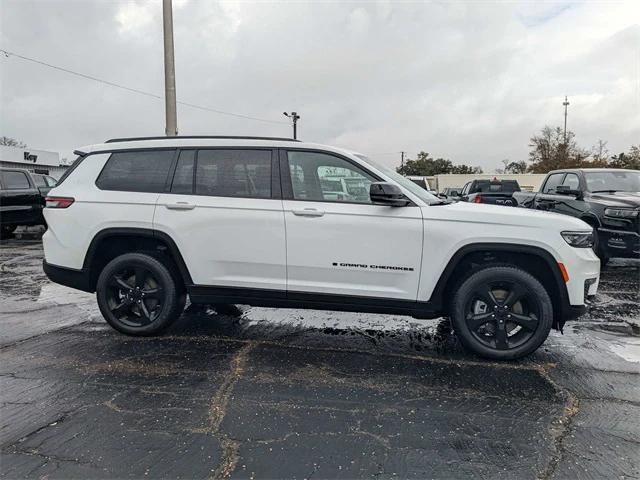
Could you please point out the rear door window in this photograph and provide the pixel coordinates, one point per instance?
(234, 173)
(15, 180)
(139, 171)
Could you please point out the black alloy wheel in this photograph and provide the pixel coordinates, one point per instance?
(138, 294)
(135, 296)
(502, 313)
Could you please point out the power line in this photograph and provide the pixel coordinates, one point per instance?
(135, 90)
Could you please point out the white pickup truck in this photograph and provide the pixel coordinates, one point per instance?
(144, 222)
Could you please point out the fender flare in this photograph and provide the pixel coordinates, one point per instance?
(437, 297)
(138, 232)
(591, 219)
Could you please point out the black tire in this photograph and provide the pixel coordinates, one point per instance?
(7, 230)
(501, 313)
(138, 295)
(598, 249)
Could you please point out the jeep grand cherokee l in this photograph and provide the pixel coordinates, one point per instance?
(146, 222)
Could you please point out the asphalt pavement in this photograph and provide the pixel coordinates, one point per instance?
(246, 392)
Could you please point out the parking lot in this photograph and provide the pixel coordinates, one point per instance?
(264, 393)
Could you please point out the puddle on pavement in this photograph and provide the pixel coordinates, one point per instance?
(319, 329)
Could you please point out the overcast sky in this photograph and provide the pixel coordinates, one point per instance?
(470, 81)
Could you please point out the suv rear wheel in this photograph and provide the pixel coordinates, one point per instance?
(502, 313)
(138, 295)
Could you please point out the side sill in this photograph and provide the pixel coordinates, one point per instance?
(305, 300)
(69, 277)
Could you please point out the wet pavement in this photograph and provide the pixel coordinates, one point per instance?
(272, 393)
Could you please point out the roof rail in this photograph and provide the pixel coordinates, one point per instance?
(232, 137)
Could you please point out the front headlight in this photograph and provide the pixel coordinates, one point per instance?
(621, 212)
(578, 239)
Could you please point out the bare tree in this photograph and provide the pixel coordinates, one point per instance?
(12, 142)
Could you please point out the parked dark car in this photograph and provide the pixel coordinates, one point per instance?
(495, 192)
(44, 183)
(452, 193)
(607, 199)
(21, 201)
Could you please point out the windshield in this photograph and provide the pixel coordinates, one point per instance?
(403, 181)
(613, 181)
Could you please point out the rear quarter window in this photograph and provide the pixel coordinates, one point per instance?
(139, 171)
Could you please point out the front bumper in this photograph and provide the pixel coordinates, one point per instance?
(619, 243)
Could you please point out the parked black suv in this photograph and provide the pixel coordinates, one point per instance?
(21, 201)
(607, 199)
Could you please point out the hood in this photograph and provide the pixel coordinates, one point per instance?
(499, 215)
(618, 199)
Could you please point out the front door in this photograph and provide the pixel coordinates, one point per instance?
(338, 242)
(225, 214)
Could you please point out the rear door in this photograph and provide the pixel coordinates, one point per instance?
(20, 202)
(346, 247)
(223, 209)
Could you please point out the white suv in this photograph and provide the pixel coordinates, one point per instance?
(144, 222)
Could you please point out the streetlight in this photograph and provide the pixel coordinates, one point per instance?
(566, 104)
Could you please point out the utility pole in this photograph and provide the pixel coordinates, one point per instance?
(566, 104)
(294, 117)
(402, 159)
(171, 129)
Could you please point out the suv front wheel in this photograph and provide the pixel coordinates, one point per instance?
(138, 295)
(502, 313)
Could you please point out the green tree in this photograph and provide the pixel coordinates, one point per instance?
(514, 167)
(465, 169)
(550, 151)
(12, 142)
(427, 166)
(627, 160)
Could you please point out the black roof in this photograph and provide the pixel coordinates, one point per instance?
(233, 137)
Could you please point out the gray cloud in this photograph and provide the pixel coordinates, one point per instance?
(468, 81)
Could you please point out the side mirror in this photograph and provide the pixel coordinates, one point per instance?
(566, 190)
(383, 193)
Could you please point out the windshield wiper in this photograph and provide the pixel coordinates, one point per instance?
(605, 191)
(441, 202)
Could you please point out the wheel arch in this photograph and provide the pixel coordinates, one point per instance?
(591, 219)
(110, 242)
(535, 260)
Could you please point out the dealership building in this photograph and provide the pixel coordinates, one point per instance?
(36, 161)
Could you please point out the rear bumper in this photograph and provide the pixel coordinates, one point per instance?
(619, 243)
(69, 277)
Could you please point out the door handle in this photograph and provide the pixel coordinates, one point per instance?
(180, 206)
(308, 212)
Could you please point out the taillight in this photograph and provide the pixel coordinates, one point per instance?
(58, 202)
(478, 199)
